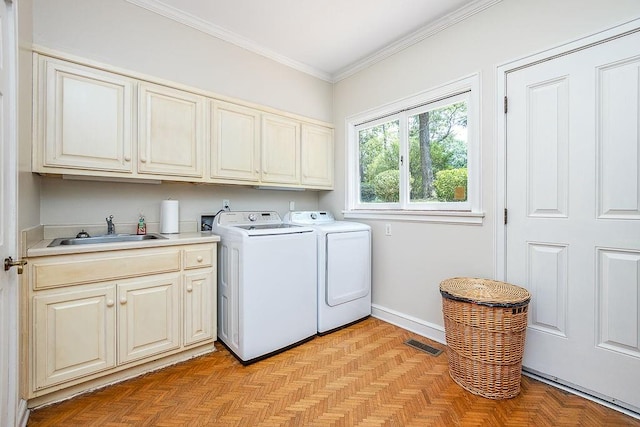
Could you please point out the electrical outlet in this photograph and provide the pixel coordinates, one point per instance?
(387, 229)
(292, 206)
(225, 205)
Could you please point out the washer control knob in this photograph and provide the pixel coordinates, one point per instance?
(314, 215)
(252, 217)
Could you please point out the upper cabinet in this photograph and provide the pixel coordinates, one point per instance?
(96, 123)
(280, 150)
(171, 129)
(235, 148)
(317, 156)
(83, 119)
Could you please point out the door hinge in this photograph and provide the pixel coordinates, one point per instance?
(506, 105)
(505, 216)
(9, 262)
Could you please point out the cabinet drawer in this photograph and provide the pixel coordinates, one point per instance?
(198, 257)
(72, 270)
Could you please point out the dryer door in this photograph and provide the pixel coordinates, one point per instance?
(348, 266)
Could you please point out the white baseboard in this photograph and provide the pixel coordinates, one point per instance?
(426, 329)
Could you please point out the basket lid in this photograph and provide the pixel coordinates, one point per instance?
(484, 292)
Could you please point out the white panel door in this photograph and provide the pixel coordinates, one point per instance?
(8, 213)
(573, 196)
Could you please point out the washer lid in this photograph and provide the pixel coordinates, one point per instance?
(272, 229)
(256, 223)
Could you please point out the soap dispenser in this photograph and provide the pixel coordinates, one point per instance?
(142, 227)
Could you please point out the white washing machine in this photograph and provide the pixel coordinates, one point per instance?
(266, 283)
(344, 268)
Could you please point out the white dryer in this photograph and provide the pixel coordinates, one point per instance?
(344, 268)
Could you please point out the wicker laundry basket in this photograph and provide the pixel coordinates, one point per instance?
(485, 323)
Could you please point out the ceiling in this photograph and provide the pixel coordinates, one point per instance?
(329, 39)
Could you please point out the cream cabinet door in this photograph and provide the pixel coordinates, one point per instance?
(83, 118)
(235, 152)
(280, 150)
(199, 303)
(171, 131)
(149, 317)
(317, 156)
(73, 334)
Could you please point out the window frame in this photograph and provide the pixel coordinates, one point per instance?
(448, 212)
(370, 124)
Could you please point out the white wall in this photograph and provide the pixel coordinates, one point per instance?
(28, 184)
(123, 35)
(119, 33)
(409, 265)
(67, 202)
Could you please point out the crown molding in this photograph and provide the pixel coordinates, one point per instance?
(199, 24)
(415, 37)
(226, 35)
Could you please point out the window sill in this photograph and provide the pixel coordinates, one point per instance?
(443, 217)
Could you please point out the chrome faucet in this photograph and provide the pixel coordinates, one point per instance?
(111, 229)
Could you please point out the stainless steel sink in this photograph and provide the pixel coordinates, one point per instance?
(108, 238)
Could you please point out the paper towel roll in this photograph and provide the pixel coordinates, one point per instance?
(169, 216)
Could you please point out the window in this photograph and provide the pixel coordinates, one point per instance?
(417, 157)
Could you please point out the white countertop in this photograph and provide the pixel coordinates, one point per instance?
(40, 248)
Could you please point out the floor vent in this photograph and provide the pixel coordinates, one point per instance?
(423, 347)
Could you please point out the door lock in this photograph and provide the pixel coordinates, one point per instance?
(9, 262)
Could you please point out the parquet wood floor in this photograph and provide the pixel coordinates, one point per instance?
(363, 375)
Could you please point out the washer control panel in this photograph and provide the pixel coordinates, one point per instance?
(245, 218)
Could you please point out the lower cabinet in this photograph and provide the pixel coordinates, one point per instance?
(199, 316)
(148, 317)
(92, 329)
(74, 334)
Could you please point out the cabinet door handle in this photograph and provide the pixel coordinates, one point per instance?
(189, 288)
(199, 258)
(123, 300)
(127, 158)
(110, 303)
